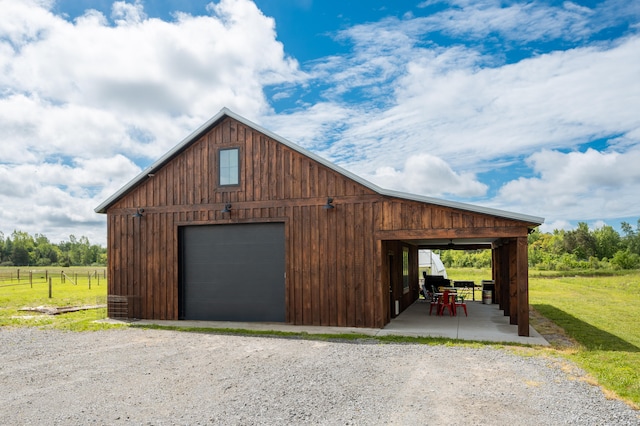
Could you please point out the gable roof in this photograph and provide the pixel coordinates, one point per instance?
(225, 112)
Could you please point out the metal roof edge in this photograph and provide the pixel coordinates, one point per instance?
(225, 112)
(102, 208)
(474, 208)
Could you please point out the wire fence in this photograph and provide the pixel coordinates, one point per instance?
(20, 277)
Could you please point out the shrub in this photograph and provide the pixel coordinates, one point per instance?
(43, 261)
(625, 260)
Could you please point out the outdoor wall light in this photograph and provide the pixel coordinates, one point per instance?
(227, 208)
(138, 213)
(329, 204)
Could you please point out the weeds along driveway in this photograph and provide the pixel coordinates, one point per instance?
(141, 376)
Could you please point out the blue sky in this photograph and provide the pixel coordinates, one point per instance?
(529, 107)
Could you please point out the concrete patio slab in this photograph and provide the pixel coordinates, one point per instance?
(484, 323)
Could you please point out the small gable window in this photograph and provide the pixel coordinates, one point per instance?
(229, 166)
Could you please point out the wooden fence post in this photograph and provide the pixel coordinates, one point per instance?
(30, 278)
(49, 288)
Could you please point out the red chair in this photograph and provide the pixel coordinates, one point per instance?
(459, 301)
(432, 299)
(446, 303)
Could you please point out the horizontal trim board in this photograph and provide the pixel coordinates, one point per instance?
(439, 233)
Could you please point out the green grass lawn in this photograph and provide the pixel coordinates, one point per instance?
(602, 314)
(33, 291)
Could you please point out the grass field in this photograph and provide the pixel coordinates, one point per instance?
(23, 289)
(601, 314)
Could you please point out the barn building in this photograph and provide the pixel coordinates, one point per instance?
(237, 223)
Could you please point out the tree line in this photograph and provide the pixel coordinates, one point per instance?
(23, 249)
(580, 248)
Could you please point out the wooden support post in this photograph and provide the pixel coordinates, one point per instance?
(49, 288)
(498, 276)
(495, 264)
(513, 282)
(523, 286)
(494, 274)
(31, 278)
(504, 278)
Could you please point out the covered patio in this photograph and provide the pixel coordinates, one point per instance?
(484, 323)
(509, 264)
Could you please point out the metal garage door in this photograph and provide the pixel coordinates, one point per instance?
(233, 272)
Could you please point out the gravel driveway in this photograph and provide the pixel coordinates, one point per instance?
(155, 377)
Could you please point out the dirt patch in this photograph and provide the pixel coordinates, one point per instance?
(555, 335)
(57, 310)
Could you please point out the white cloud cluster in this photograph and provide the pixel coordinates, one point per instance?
(526, 21)
(86, 103)
(428, 174)
(468, 114)
(454, 113)
(583, 185)
(78, 97)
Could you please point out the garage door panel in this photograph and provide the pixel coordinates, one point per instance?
(233, 272)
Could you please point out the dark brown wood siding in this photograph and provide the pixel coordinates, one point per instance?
(406, 219)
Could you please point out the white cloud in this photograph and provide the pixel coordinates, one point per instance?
(76, 98)
(583, 186)
(534, 21)
(140, 72)
(520, 21)
(312, 127)
(124, 13)
(470, 115)
(550, 226)
(426, 174)
(57, 199)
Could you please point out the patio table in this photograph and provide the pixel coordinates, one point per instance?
(467, 285)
